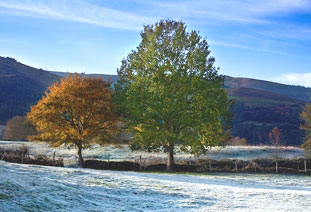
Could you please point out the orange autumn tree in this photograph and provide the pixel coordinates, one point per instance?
(75, 112)
(275, 136)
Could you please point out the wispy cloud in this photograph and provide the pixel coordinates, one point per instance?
(233, 45)
(219, 14)
(75, 10)
(295, 79)
(243, 11)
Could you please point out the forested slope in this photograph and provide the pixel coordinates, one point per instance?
(20, 87)
(260, 105)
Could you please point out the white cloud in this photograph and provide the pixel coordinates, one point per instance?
(218, 14)
(303, 79)
(78, 11)
(234, 45)
(244, 11)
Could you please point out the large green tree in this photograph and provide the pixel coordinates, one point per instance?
(306, 126)
(170, 93)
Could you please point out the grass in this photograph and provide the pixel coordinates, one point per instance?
(4, 197)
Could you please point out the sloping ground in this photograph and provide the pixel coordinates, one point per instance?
(106, 77)
(257, 112)
(255, 97)
(38, 188)
(259, 108)
(20, 87)
(292, 91)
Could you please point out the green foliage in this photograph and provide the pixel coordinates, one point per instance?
(170, 93)
(306, 126)
(4, 197)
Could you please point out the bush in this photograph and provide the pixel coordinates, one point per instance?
(236, 141)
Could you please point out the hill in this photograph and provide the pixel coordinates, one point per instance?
(257, 112)
(260, 105)
(106, 77)
(292, 91)
(20, 87)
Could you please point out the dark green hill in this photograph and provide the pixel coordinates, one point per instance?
(257, 112)
(292, 91)
(260, 105)
(20, 87)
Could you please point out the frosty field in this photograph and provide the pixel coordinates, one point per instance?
(123, 153)
(39, 188)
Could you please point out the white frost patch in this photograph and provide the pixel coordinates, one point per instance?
(123, 153)
(39, 188)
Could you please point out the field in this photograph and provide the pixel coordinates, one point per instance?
(123, 153)
(39, 188)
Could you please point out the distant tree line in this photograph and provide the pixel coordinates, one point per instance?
(255, 123)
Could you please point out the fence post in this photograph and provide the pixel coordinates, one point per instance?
(54, 158)
(108, 161)
(305, 163)
(140, 163)
(236, 166)
(276, 167)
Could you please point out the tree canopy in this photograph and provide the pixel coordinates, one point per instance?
(75, 112)
(275, 136)
(306, 126)
(18, 128)
(170, 93)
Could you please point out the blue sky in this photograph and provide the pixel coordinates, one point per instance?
(266, 39)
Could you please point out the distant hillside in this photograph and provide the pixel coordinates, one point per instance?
(20, 87)
(256, 97)
(2, 127)
(260, 105)
(106, 77)
(293, 91)
(256, 112)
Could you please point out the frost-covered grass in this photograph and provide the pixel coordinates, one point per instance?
(123, 153)
(39, 188)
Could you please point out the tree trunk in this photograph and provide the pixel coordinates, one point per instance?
(54, 158)
(80, 158)
(276, 167)
(236, 166)
(170, 161)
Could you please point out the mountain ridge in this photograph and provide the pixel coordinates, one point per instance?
(260, 105)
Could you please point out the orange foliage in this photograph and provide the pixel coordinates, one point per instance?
(236, 141)
(275, 136)
(74, 112)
